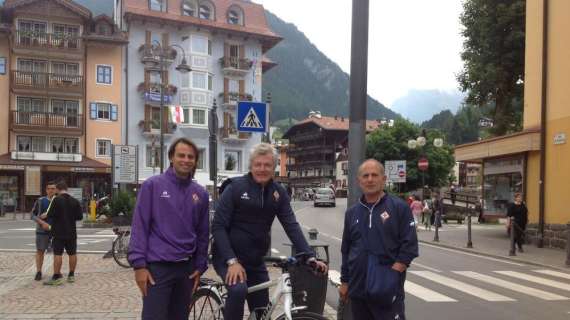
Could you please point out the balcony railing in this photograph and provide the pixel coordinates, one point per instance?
(231, 134)
(153, 126)
(44, 80)
(46, 156)
(35, 39)
(42, 121)
(236, 63)
(232, 98)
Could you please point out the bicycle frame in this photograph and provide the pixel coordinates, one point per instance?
(284, 289)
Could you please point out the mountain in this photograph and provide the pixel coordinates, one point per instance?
(421, 105)
(305, 79)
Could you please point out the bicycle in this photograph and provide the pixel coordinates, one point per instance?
(121, 246)
(208, 300)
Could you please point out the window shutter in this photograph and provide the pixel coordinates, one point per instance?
(226, 50)
(242, 90)
(114, 114)
(93, 110)
(226, 88)
(148, 37)
(165, 40)
(241, 49)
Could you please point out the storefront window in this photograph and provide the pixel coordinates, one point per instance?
(9, 192)
(503, 178)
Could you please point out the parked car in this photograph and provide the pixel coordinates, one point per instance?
(325, 196)
(308, 194)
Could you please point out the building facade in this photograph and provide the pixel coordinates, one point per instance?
(223, 42)
(532, 161)
(60, 78)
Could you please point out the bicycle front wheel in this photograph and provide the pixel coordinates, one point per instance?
(206, 305)
(120, 250)
(304, 315)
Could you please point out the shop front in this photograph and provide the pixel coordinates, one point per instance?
(503, 177)
(11, 179)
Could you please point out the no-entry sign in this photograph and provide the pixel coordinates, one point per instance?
(423, 164)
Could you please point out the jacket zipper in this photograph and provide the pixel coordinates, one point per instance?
(262, 189)
(370, 210)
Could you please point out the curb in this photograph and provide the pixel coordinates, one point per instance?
(507, 258)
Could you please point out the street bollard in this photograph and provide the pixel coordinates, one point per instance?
(437, 222)
(568, 244)
(512, 228)
(469, 242)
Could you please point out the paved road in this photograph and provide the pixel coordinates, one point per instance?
(450, 284)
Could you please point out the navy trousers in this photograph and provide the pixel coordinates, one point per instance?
(169, 298)
(237, 294)
(363, 309)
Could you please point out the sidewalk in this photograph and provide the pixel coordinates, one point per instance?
(492, 240)
(102, 290)
(11, 216)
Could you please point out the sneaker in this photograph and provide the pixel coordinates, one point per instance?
(71, 279)
(54, 282)
(521, 249)
(38, 276)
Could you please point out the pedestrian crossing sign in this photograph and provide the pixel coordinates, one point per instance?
(252, 117)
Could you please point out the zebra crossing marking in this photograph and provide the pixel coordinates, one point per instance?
(544, 295)
(539, 280)
(554, 273)
(461, 286)
(425, 294)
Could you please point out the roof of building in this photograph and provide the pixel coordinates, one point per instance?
(337, 123)
(71, 5)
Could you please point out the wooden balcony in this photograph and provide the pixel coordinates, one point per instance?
(36, 122)
(235, 67)
(48, 44)
(152, 127)
(28, 82)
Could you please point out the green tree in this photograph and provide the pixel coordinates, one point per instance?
(493, 58)
(392, 144)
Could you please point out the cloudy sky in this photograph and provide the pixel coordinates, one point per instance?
(413, 44)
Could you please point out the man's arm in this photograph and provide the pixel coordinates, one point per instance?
(408, 237)
(140, 227)
(291, 226)
(202, 235)
(221, 224)
(78, 211)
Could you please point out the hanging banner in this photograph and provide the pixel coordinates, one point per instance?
(177, 114)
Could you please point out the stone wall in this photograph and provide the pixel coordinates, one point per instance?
(555, 235)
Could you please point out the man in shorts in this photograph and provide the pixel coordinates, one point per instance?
(43, 238)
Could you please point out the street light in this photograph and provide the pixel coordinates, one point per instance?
(421, 142)
(150, 60)
(213, 128)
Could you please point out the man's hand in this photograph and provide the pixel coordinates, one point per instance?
(318, 265)
(196, 277)
(343, 291)
(143, 277)
(43, 216)
(400, 267)
(44, 225)
(235, 273)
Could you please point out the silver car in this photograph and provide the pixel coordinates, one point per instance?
(325, 196)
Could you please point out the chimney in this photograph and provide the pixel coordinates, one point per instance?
(336, 117)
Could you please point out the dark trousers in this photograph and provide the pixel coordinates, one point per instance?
(237, 294)
(363, 309)
(519, 235)
(169, 298)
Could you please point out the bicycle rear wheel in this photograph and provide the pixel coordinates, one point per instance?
(304, 315)
(206, 305)
(120, 250)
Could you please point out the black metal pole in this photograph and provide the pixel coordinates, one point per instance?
(568, 244)
(469, 242)
(213, 126)
(358, 94)
(161, 55)
(512, 228)
(267, 135)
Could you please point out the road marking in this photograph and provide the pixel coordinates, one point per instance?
(539, 280)
(323, 233)
(554, 273)
(425, 294)
(334, 277)
(275, 251)
(23, 229)
(544, 295)
(461, 286)
(425, 267)
(107, 231)
(472, 254)
(33, 250)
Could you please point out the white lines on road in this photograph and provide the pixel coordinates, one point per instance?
(541, 294)
(554, 273)
(323, 233)
(539, 280)
(461, 286)
(425, 267)
(274, 251)
(472, 254)
(23, 229)
(425, 294)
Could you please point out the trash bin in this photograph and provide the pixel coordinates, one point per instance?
(304, 279)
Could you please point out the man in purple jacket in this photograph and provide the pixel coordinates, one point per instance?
(169, 236)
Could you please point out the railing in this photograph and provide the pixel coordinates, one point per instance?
(236, 63)
(46, 156)
(35, 39)
(152, 126)
(46, 120)
(44, 80)
(233, 134)
(232, 98)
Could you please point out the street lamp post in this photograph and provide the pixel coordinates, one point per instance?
(213, 128)
(182, 67)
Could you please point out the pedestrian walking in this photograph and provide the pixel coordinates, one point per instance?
(427, 213)
(169, 236)
(43, 237)
(437, 210)
(417, 209)
(379, 242)
(518, 213)
(241, 230)
(63, 213)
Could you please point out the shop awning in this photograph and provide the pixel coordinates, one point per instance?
(86, 165)
(528, 140)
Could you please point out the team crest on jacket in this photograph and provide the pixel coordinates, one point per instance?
(195, 198)
(384, 216)
(276, 195)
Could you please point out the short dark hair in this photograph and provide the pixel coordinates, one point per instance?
(61, 185)
(187, 142)
(50, 183)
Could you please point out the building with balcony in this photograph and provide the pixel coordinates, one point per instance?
(223, 42)
(314, 144)
(60, 79)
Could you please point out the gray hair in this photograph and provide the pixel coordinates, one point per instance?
(374, 161)
(263, 149)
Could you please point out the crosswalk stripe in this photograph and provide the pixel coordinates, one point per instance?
(539, 280)
(461, 286)
(425, 293)
(544, 295)
(554, 273)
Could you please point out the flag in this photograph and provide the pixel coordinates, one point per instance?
(177, 114)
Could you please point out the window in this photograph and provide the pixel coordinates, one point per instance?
(201, 80)
(103, 111)
(56, 145)
(157, 5)
(103, 148)
(206, 11)
(24, 104)
(189, 8)
(155, 118)
(186, 112)
(235, 15)
(104, 29)
(201, 159)
(153, 156)
(104, 74)
(201, 45)
(232, 160)
(71, 145)
(199, 117)
(65, 36)
(31, 144)
(61, 68)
